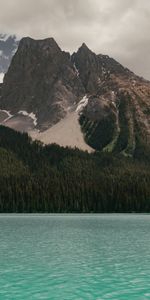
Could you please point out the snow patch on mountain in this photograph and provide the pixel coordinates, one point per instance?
(8, 47)
(14, 51)
(9, 115)
(30, 115)
(4, 37)
(1, 77)
(82, 104)
(99, 81)
(76, 70)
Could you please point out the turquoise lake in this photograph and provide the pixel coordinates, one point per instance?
(77, 257)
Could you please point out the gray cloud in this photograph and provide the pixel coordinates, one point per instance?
(118, 28)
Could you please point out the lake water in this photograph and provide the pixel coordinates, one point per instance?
(77, 257)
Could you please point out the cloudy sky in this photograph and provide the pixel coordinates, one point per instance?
(119, 28)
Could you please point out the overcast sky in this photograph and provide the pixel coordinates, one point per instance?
(119, 28)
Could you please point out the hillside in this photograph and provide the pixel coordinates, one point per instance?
(37, 178)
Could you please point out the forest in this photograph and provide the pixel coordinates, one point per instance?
(35, 178)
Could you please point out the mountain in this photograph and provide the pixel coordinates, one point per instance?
(8, 47)
(85, 100)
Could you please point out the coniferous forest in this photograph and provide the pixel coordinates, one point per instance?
(37, 178)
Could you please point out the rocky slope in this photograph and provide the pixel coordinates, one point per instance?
(45, 85)
(41, 79)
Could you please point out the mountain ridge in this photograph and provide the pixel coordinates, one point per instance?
(49, 84)
(8, 47)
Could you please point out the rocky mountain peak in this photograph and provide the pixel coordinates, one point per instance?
(44, 48)
(86, 62)
(48, 43)
(84, 48)
(41, 79)
(47, 84)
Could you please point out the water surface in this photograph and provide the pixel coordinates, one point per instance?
(77, 257)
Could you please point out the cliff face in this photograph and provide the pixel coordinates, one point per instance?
(41, 79)
(117, 116)
(112, 103)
